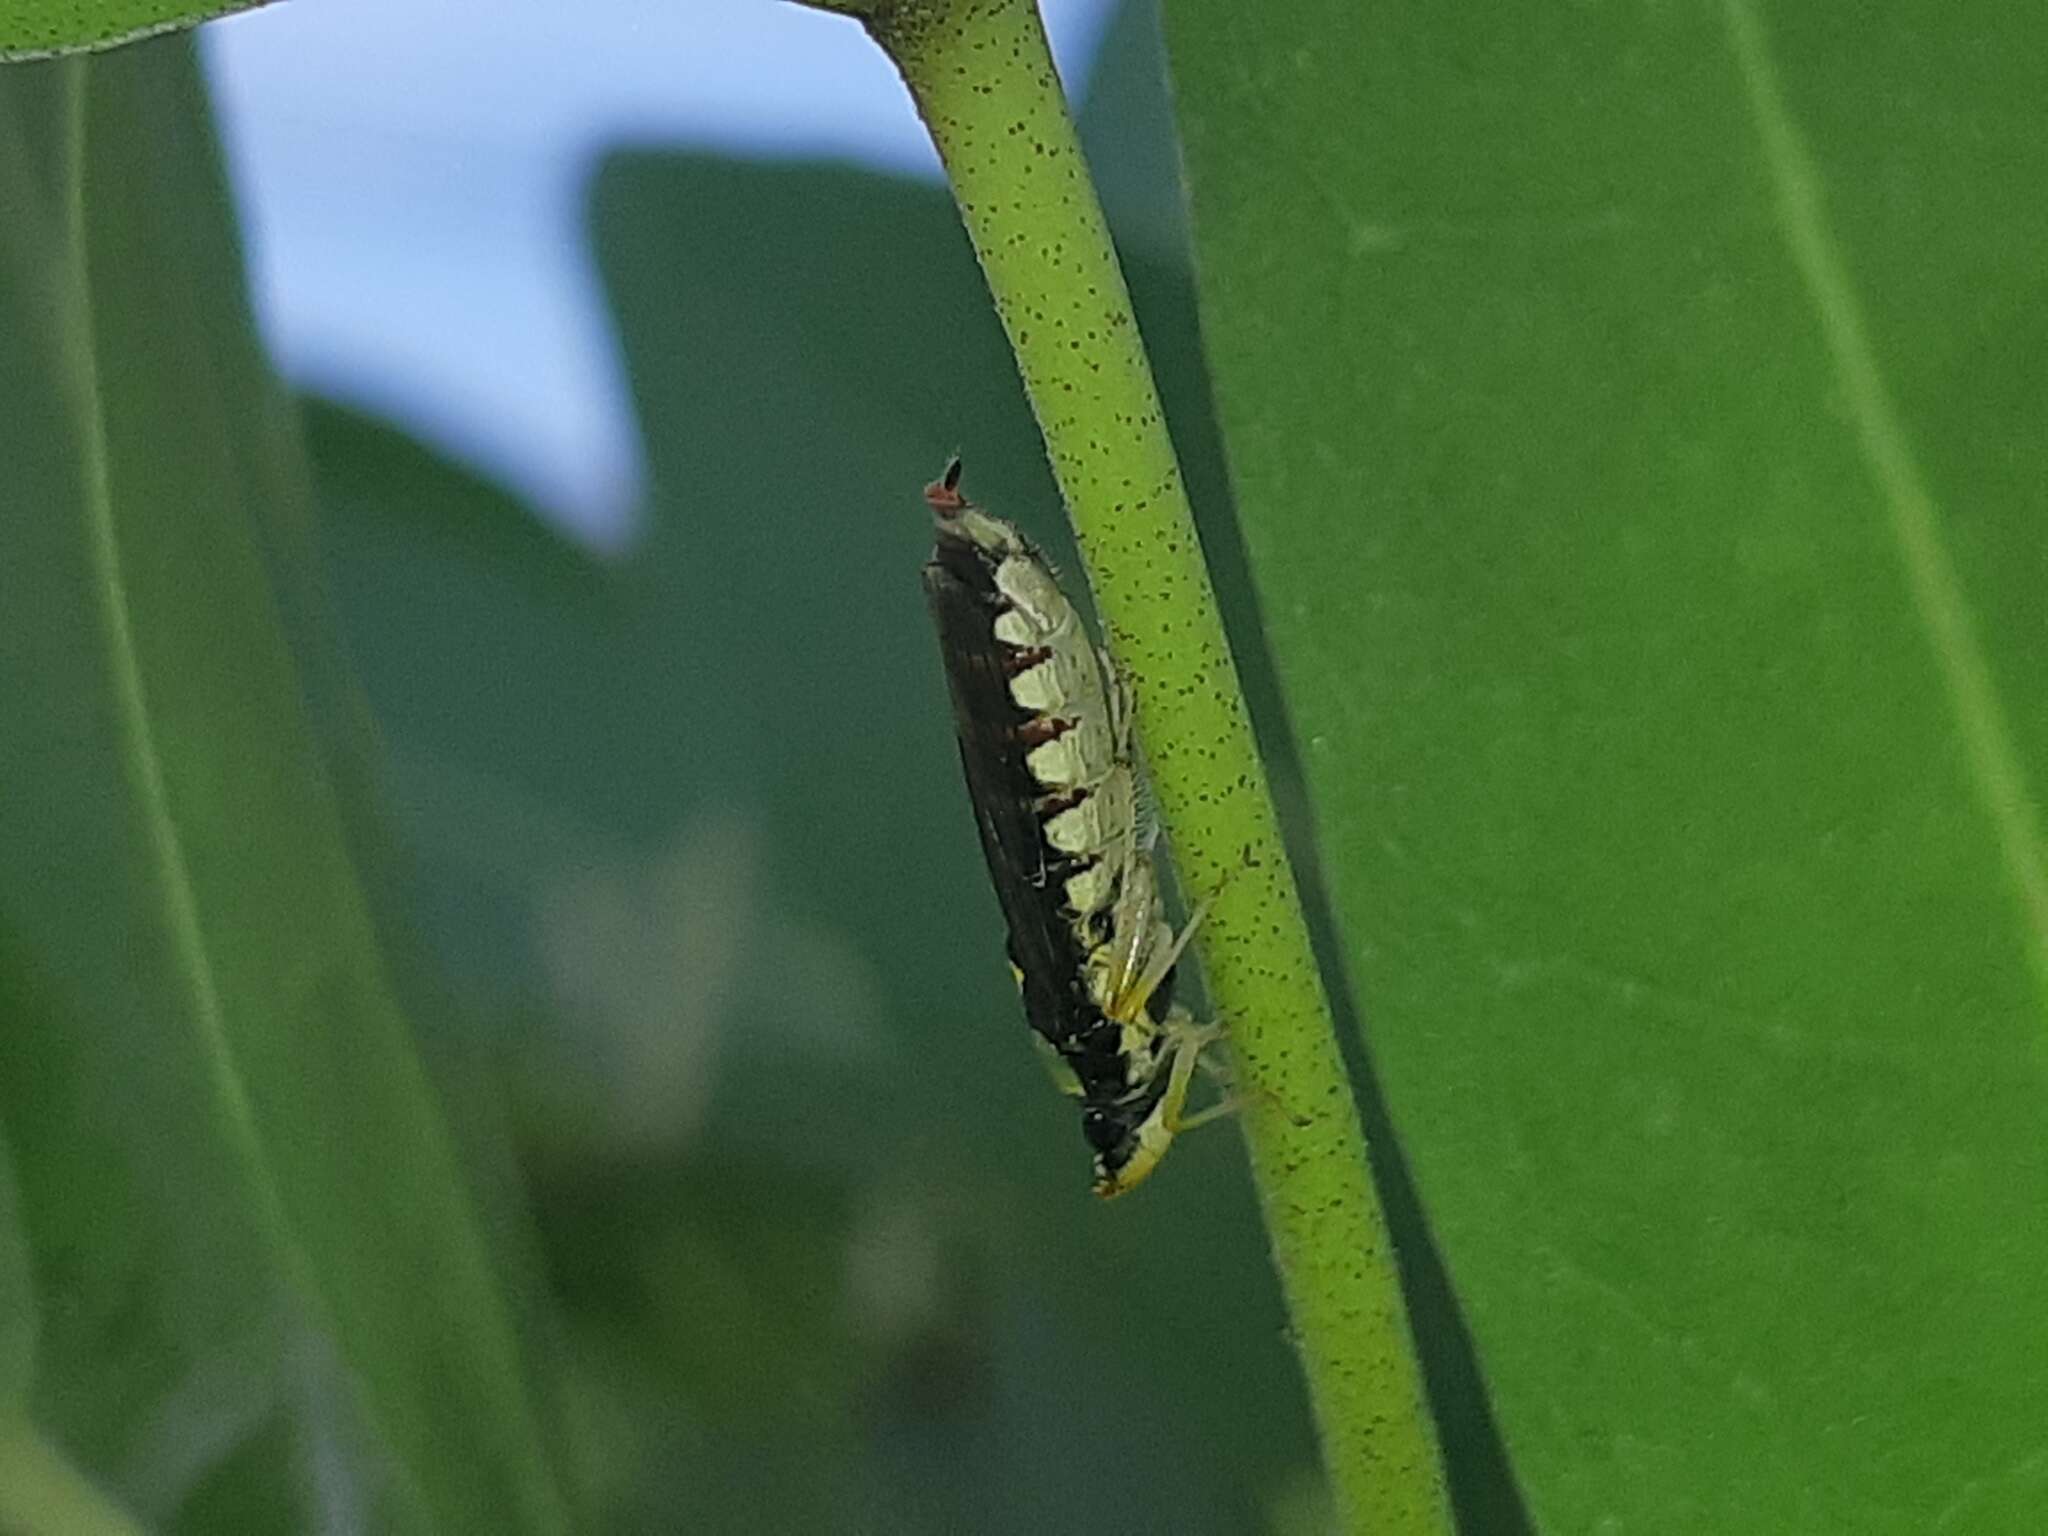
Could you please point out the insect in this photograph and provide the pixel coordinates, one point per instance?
(1044, 730)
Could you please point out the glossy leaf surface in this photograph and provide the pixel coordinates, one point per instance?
(1633, 425)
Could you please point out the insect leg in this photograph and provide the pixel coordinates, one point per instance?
(1189, 1042)
(1130, 994)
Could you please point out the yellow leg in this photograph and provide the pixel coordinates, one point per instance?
(1168, 1117)
(1216, 1111)
(1129, 1000)
(1190, 1040)
(1135, 930)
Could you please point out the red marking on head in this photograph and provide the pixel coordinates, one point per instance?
(943, 495)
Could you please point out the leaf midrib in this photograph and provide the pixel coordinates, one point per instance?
(1995, 770)
(143, 764)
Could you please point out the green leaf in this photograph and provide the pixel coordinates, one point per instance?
(1638, 452)
(253, 1252)
(31, 29)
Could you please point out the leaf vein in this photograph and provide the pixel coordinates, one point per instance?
(1995, 768)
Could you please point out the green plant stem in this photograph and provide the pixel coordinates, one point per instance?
(984, 83)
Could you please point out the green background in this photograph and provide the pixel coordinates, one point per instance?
(513, 1038)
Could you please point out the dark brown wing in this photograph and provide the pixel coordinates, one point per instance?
(960, 590)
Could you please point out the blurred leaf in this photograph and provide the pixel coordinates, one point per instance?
(1649, 522)
(17, 1296)
(502, 662)
(37, 28)
(394, 496)
(261, 1286)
